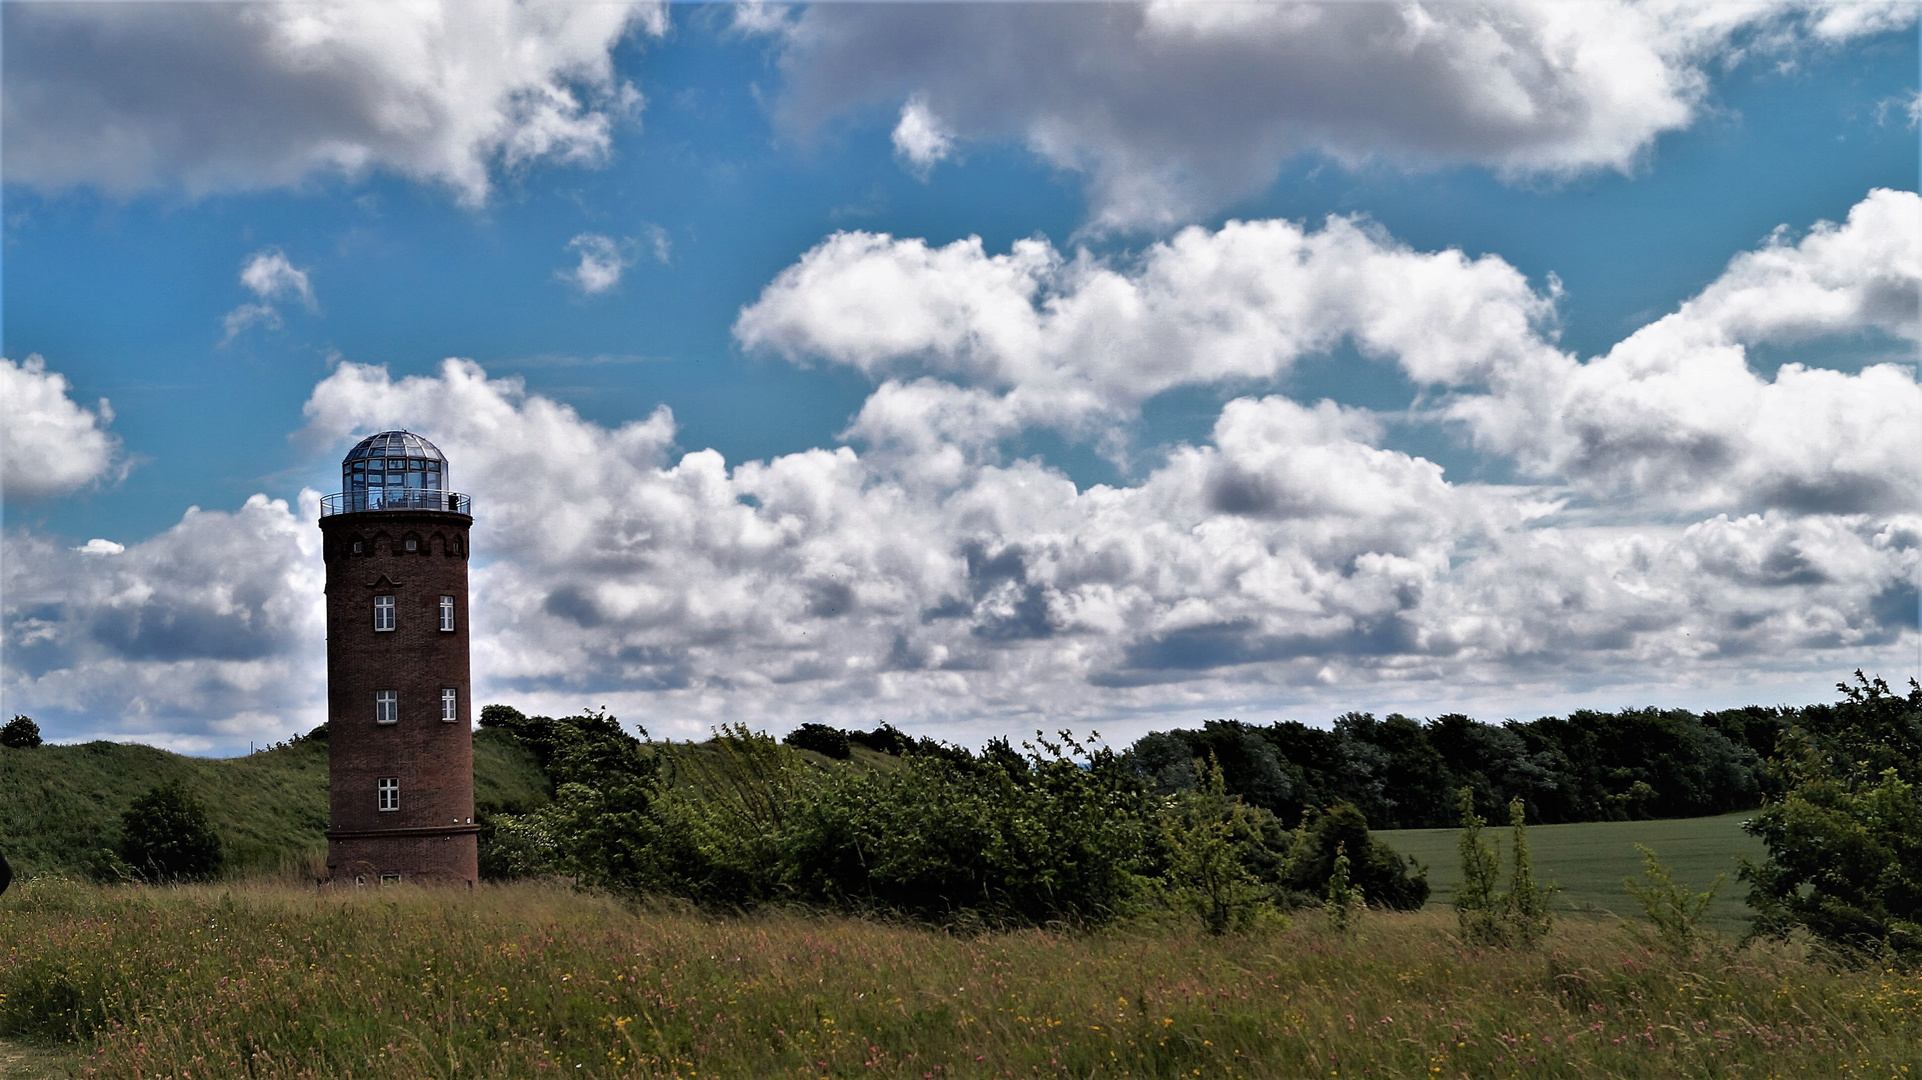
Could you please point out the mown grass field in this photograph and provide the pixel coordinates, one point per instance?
(1587, 861)
(526, 981)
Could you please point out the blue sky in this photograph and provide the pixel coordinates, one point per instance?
(1309, 358)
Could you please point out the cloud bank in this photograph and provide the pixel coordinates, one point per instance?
(1172, 109)
(236, 97)
(1683, 518)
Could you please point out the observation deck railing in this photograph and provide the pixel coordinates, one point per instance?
(354, 502)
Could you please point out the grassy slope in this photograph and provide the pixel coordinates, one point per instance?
(1588, 861)
(63, 802)
(523, 981)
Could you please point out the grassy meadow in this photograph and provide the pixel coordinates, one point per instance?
(1586, 862)
(530, 981)
(63, 803)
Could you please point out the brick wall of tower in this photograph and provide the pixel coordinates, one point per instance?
(432, 836)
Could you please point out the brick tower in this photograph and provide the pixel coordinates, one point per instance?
(401, 778)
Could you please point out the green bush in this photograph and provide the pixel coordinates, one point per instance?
(1845, 840)
(822, 739)
(1207, 837)
(1674, 911)
(1383, 878)
(1057, 831)
(1518, 916)
(165, 836)
(20, 733)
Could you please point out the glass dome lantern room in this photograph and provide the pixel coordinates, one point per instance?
(394, 470)
(393, 459)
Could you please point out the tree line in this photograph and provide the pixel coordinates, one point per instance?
(1404, 774)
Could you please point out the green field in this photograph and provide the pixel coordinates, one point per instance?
(1587, 861)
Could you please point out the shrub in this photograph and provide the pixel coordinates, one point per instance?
(1845, 840)
(1675, 912)
(1206, 835)
(20, 733)
(1344, 904)
(1381, 875)
(822, 739)
(1477, 903)
(165, 836)
(1527, 902)
(1518, 916)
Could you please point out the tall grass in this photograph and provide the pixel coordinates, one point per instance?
(524, 980)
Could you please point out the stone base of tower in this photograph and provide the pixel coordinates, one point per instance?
(439, 857)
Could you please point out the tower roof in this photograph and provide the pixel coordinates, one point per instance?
(400, 444)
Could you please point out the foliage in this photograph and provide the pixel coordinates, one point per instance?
(1845, 840)
(1590, 766)
(822, 739)
(165, 836)
(526, 981)
(1057, 831)
(1380, 874)
(1516, 917)
(1477, 901)
(1528, 917)
(1674, 912)
(1207, 837)
(20, 733)
(1344, 904)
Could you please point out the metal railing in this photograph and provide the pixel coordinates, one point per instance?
(354, 502)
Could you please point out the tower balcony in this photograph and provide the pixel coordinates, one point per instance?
(397, 498)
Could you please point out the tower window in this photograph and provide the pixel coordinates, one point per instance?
(388, 792)
(386, 706)
(383, 613)
(413, 544)
(356, 547)
(446, 613)
(449, 704)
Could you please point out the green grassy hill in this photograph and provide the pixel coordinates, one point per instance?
(1588, 861)
(59, 804)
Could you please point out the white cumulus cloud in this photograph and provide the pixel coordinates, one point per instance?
(1173, 108)
(602, 261)
(209, 633)
(971, 347)
(270, 277)
(919, 138)
(226, 97)
(49, 445)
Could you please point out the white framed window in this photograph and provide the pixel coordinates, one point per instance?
(356, 547)
(449, 704)
(388, 791)
(413, 544)
(389, 879)
(447, 613)
(386, 706)
(383, 613)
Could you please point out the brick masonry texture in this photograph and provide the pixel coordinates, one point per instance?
(431, 838)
